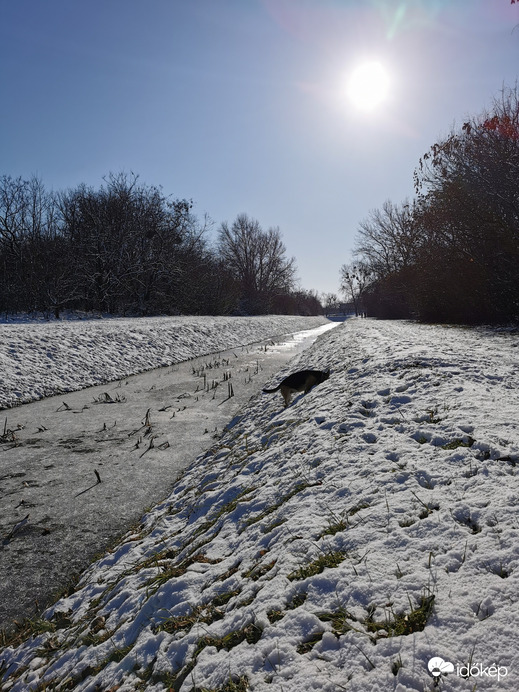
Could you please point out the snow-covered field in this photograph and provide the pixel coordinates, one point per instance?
(340, 544)
(39, 359)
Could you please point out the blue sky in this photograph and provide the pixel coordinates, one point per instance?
(241, 105)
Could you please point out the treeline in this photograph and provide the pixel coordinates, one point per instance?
(451, 254)
(127, 249)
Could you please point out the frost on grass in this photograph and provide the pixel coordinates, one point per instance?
(341, 543)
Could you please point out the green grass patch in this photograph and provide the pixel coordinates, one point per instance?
(407, 522)
(259, 570)
(455, 444)
(309, 644)
(117, 655)
(94, 639)
(339, 620)
(358, 508)
(275, 524)
(275, 615)
(233, 685)
(297, 601)
(400, 624)
(205, 613)
(396, 665)
(168, 680)
(229, 573)
(246, 602)
(170, 571)
(297, 489)
(224, 598)
(203, 528)
(335, 525)
(231, 506)
(25, 629)
(325, 560)
(250, 633)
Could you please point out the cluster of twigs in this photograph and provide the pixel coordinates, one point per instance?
(8, 435)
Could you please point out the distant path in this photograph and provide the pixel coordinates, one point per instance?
(137, 434)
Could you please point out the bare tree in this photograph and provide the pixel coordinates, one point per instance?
(258, 261)
(128, 239)
(330, 302)
(13, 212)
(354, 280)
(126, 248)
(27, 224)
(388, 239)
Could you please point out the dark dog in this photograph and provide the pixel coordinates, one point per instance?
(302, 381)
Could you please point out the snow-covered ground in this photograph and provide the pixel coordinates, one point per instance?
(40, 359)
(340, 544)
(138, 434)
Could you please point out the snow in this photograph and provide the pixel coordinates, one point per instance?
(304, 549)
(135, 435)
(38, 359)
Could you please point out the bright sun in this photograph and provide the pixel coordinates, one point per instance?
(368, 85)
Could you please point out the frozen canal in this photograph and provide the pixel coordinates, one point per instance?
(136, 435)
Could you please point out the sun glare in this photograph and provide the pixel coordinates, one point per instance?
(368, 85)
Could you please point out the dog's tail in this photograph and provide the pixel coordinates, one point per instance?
(271, 391)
